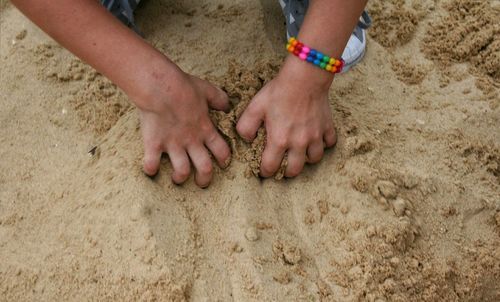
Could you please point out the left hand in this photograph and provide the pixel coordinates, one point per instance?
(295, 110)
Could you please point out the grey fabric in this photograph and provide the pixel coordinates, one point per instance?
(123, 10)
(295, 11)
(365, 20)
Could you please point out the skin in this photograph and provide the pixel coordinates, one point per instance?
(297, 116)
(173, 106)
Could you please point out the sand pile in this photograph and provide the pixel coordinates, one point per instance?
(406, 207)
(241, 86)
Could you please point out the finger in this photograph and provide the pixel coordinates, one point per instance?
(180, 163)
(271, 159)
(296, 159)
(219, 148)
(249, 122)
(330, 137)
(152, 156)
(216, 97)
(315, 152)
(202, 163)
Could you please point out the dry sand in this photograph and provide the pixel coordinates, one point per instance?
(406, 207)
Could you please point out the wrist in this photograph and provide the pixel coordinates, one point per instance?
(310, 77)
(149, 86)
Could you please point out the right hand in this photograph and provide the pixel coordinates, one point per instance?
(175, 120)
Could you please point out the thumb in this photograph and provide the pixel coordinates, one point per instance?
(216, 97)
(249, 122)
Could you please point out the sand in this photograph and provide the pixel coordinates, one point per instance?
(406, 207)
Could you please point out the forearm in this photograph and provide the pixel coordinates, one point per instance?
(329, 23)
(327, 27)
(86, 29)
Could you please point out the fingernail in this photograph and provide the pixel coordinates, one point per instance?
(152, 177)
(177, 184)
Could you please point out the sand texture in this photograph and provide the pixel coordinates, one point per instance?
(406, 207)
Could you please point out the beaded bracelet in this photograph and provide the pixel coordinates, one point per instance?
(313, 56)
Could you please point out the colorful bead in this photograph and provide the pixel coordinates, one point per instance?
(305, 53)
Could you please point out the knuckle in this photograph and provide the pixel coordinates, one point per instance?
(184, 170)
(242, 130)
(301, 142)
(155, 146)
(206, 126)
(212, 136)
(205, 168)
(316, 136)
(224, 153)
(223, 96)
(315, 158)
(294, 171)
(266, 169)
(281, 142)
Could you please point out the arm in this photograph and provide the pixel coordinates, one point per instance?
(294, 106)
(172, 105)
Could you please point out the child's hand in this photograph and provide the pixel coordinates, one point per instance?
(295, 111)
(175, 121)
(173, 105)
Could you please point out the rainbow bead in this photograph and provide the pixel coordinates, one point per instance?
(305, 53)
